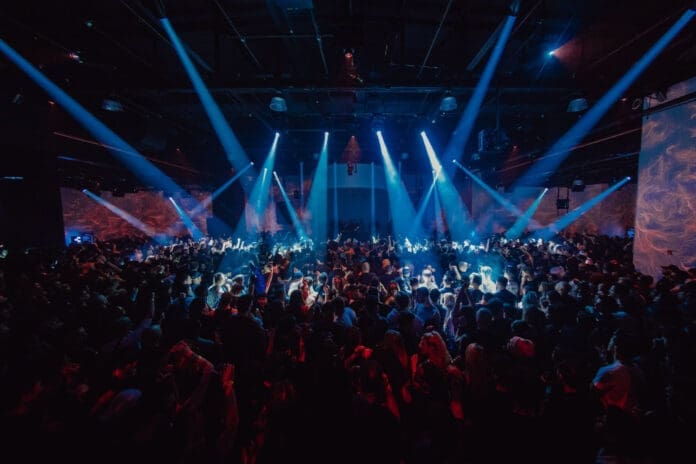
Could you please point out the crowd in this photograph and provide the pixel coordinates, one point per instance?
(346, 351)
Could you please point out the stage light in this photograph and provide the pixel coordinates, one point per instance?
(578, 185)
(119, 148)
(75, 56)
(207, 201)
(561, 149)
(460, 136)
(258, 198)
(297, 225)
(317, 203)
(233, 149)
(447, 196)
(195, 232)
(278, 105)
(111, 105)
(569, 218)
(129, 218)
(577, 105)
(448, 103)
(401, 208)
(521, 223)
(551, 52)
(492, 192)
(89, 23)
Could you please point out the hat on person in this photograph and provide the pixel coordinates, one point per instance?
(521, 347)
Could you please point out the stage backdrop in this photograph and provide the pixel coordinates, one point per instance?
(81, 214)
(614, 216)
(666, 204)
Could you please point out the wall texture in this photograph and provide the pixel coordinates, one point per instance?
(82, 214)
(666, 203)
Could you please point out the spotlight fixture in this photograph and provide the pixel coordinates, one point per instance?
(278, 105)
(89, 23)
(112, 105)
(448, 103)
(577, 105)
(578, 185)
(75, 56)
(551, 53)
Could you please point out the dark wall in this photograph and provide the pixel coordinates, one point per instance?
(30, 206)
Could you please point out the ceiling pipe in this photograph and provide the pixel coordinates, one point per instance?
(201, 62)
(432, 43)
(242, 39)
(319, 42)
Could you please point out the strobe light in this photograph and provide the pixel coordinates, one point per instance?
(578, 185)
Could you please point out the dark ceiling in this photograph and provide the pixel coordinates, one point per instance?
(407, 55)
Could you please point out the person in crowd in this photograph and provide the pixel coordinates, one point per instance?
(115, 350)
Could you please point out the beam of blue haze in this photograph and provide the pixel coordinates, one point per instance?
(373, 206)
(456, 213)
(424, 203)
(260, 192)
(297, 225)
(233, 149)
(335, 198)
(521, 223)
(317, 203)
(402, 210)
(302, 202)
(129, 218)
(567, 219)
(148, 173)
(461, 134)
(186, 219)
(209, 200)
(561, 149)
(439, 226)
(504, 202)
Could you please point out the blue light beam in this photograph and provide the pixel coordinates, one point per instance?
(461, 134)
(424, 202)
(317, 203)
(209, 200)
(569, 218)
(504, 202)
(299, 230)
(129, 218)
(258, 199)
(186, 219)
(233, 149)
(521, 223)
(119, 148)
(456, 213)
(402, 210)
(561, 149)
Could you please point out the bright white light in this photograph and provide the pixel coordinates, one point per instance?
(552, 52)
